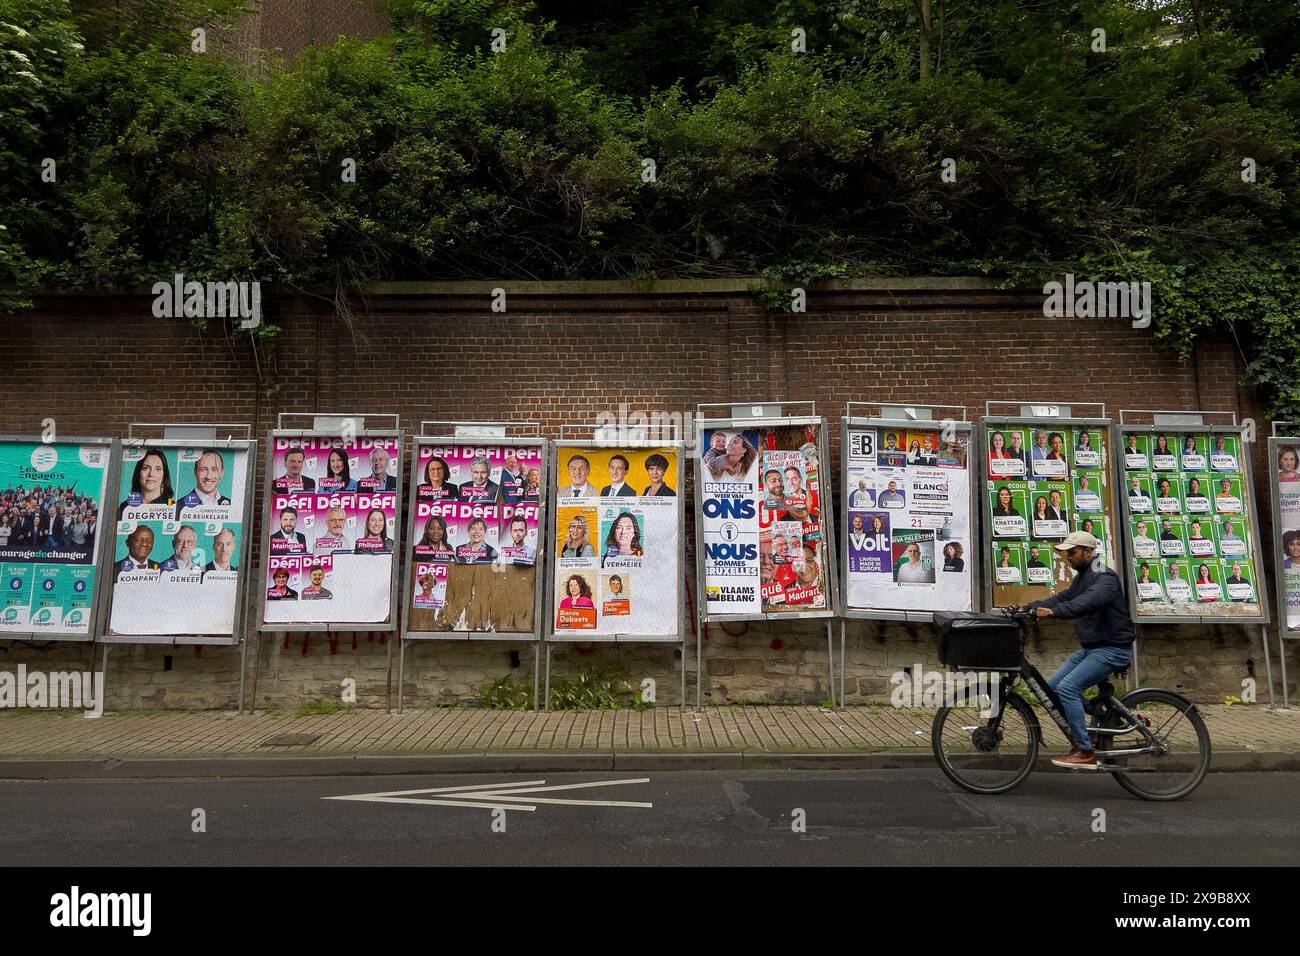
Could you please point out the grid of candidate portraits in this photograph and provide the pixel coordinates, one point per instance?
(618, 536)
(1284, 457)
(474, 537)
(1190, 522)
(1041, 483)
(180, 533)
(479, 513)
(331, 526)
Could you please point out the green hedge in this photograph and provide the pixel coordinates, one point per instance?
(527, 163)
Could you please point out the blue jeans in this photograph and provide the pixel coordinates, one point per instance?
(1081, 670)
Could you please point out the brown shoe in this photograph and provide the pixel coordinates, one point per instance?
(1077, 759)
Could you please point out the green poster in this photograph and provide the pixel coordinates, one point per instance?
(51, 497)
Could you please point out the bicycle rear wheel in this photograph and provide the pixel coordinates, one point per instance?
(1180, 764)
(985, 755)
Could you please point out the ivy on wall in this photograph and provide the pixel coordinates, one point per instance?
(673, 139)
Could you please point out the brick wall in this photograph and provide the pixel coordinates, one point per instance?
(564, 354)
(287, 27)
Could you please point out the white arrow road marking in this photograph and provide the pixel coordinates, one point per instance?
(515, 796)
(500, 794)
(380, 798)
(470, 790)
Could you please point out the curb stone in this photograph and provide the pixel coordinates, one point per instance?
(380, 764)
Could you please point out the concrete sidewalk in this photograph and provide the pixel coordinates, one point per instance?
(219, 743)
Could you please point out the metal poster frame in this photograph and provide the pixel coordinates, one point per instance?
(1249, 509)
(247, 444)
(96, 563)
(921, 418)
(1282, 435)
(1039, 413)
(1191, 421)
(443, 432)
(768, 414)
(1101, 422)
(589, 434)
(920, 424)
(289, 627)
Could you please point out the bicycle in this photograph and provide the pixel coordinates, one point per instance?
(994, 750)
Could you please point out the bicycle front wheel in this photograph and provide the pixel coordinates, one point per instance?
(1177, 763)
(983, 754)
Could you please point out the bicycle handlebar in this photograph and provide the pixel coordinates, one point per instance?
(1028, 620)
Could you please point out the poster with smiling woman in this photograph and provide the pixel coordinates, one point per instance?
(618, 537)
(1284, 458)
(179, 539)
(1068, 488)
(475, 531)
(330, 529)
(1195, 500)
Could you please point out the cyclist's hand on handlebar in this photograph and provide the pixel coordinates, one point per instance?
(1042, 612)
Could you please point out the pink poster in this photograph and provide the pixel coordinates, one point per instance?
(331, 529)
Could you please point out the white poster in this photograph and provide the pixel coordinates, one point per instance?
(909, 520)
(1286, 466)
(760, 510)
(618, 543)
(179, 534)
(330, 529)
(728, 480)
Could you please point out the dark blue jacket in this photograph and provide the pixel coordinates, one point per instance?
(1096, 603)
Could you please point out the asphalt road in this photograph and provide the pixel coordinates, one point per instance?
(858, 818)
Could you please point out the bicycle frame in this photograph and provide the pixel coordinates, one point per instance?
(1046, 695)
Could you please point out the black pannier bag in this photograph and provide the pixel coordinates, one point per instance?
(978, 642)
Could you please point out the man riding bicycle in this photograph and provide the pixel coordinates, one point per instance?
(1095, 602)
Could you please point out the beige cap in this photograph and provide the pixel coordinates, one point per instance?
(1079, 539)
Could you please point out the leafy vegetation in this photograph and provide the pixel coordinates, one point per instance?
(1167, 156)
(508, 693)
(317, 707)
(597, 687)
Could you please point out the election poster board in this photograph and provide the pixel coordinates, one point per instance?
(181, 526)
(52, 516)
(1190, 522)
(617, 538)
(1043, 478)
(475, 537)
(1284, 479)
(764, 519)
(330, 530)
(909, 546)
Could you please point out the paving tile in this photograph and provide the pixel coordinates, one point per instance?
(777, 728)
